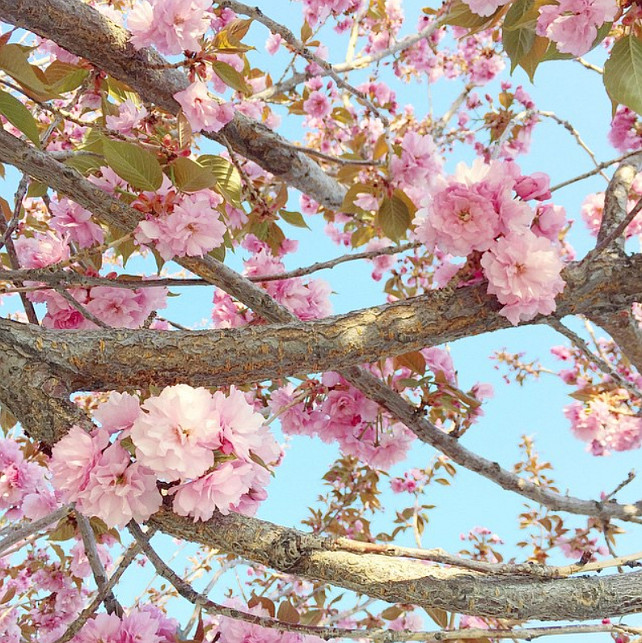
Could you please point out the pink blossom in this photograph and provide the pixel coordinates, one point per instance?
(71, 219)
(273, 43)
(146, 624)
(80, 563)
(625, 133)
(175, 435)
(605, 427)
(171, 25)
(41, 250)
(118, 491)
(221, 489)
(238, 423)
(418, 164)
(439, 361)
(549, 221)
(72, 459)
(523, 271)
(317, 105)
(534, 186)
(382, 263)
(458, 220)
(129, 117)
(295, 419)
(573, 24)
(192, 229)
(118, 413)
(485, 7)
(201, 110)
(117, 307)
(367, 201)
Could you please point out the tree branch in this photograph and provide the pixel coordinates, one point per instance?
(80, 29)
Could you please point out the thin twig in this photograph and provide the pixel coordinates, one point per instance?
(100, 576)
(20, 533)
(590, 173)
(331, 263)
(357, 63)
(604, 366)
(300, 48)
(576, 135)
(81, 309)
(74, 627)
(629, 478)
(332, 159)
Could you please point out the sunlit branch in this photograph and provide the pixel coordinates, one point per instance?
(616, 200)
(201, 600)
(82, 30)
(80, 308)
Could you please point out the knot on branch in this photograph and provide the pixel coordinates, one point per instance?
(287, 551)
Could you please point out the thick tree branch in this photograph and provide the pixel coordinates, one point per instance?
(80, 29)
(106, 360)
(616, 197)
(394, 580)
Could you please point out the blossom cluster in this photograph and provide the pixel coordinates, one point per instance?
(172, 26)
(146, 623)
(483, 210)
(24, 489)
(571, 24)
(179, 225)
(307, 299)
(213, 448)
(343, 415)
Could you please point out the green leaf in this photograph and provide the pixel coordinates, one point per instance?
(228, 179)
(361, 235)
(460, 15)
(19, 116)
(623, 73)
(37, 189)
(120, 91)
(14, 60)
(530, 61)
(132, 163)
(294, 218)
(64, 77)
(84, 163)
(218, 253)
(190, 176)
(518, 32)
(393, 217)
(231, 77)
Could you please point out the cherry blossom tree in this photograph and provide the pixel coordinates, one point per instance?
(145, 142)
